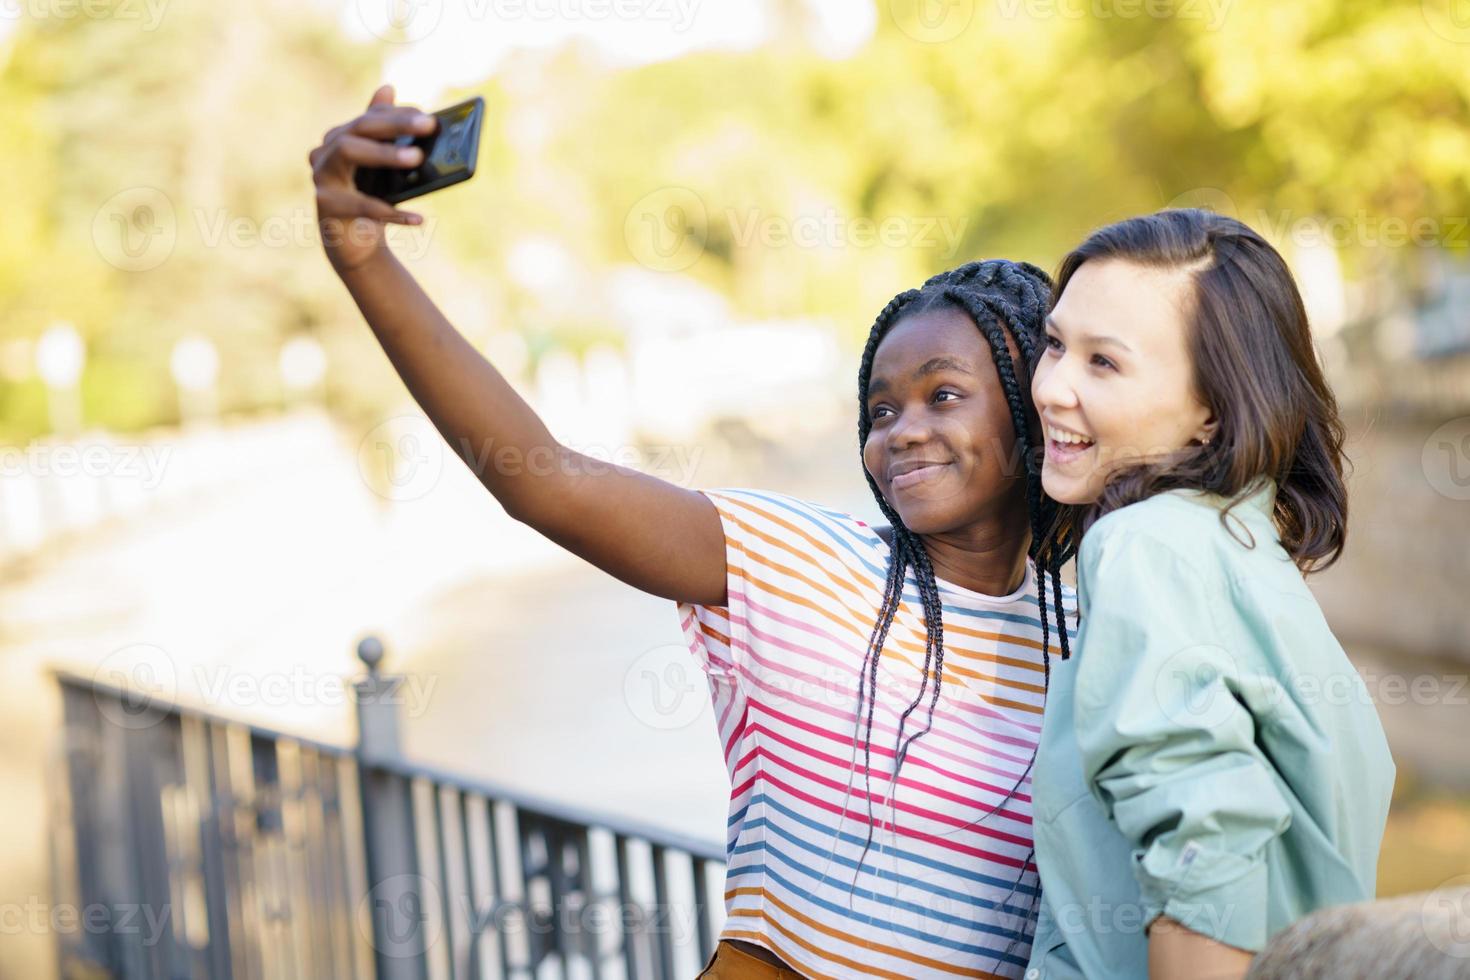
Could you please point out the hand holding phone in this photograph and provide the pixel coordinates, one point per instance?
(449, 155)
(375, 151)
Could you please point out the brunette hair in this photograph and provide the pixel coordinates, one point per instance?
(1255, 368)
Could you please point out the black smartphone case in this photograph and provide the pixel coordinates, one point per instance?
(450, 152)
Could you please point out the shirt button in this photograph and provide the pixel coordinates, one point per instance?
(1033, 975)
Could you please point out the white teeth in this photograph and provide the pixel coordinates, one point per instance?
(1062, 435)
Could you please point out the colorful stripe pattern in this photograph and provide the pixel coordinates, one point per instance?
(947, 887)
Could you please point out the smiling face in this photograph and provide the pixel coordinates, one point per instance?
(942, 448)
(1115, 385)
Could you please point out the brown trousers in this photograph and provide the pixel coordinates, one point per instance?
(730, 962)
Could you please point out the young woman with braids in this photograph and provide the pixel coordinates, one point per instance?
(1211, 765)
(924, 650)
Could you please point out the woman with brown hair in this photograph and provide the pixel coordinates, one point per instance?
(1211, 767)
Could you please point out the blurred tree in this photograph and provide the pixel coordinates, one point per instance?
(790, 182)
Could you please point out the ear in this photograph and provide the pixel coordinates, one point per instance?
(1206, 432)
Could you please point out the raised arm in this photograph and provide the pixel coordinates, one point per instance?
(652, 534)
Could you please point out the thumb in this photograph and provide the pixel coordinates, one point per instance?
(383, 96)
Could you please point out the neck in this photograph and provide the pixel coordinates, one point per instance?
(988, 557)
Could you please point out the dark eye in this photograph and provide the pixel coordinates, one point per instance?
(877, 412)
(1053, 343)
(945, 391)
(1101, 361)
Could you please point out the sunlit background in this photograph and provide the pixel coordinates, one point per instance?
(686, 216)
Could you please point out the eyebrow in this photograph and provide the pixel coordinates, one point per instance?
(931, 366)
(1096, 338)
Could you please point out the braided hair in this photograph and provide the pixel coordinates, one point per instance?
(999, 296)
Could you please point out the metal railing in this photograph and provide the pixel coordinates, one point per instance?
(193, 845)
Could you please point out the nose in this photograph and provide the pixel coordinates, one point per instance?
(912, 427)
(1051, 385)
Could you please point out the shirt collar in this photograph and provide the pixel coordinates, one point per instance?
(1259, 498)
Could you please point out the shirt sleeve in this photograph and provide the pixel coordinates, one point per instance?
(716, 635)
(1166, 747)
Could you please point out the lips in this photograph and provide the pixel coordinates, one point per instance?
(1065, 445)
(913, 472)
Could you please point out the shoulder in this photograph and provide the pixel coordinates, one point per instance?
(758, 516)
(1172, 540)
(1174, 522)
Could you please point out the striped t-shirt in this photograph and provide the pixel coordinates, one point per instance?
(948, 889)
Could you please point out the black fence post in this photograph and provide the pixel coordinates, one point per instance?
(397, 901)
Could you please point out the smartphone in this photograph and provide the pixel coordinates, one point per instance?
(450, 152)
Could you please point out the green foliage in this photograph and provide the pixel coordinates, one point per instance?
(1012, 137)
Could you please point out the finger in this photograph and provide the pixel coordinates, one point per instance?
(359, 151)
(386, 124)
(382, 97)
(383, 211)
(400, 121)
(342, 205)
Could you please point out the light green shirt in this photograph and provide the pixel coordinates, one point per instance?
(1207, 752)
